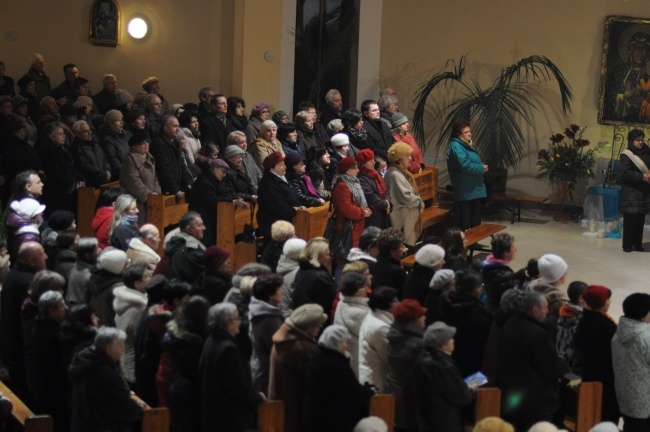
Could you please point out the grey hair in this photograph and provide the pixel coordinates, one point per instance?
(108, 77)
(532, 300)
(35, 57)
(301, 117)
(149, 98)
(329, 96)
(334, 126)
(221, 315)
(48, 301)
(86, 246)
(44, 102)
(267, 125)
(386, 100)
(107, 336)
(204, 91)
(234, 136)
(77, 126)
(51, 128)
(166, 119)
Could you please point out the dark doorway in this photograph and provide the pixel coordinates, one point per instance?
(325, 31)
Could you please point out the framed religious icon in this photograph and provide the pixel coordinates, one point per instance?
(625, 72)
(104, 23)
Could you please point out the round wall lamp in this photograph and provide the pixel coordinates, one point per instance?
(138, 28)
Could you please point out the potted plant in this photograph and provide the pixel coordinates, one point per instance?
(494, 111)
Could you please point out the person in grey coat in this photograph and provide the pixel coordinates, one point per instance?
(631, 360)
(288, 266)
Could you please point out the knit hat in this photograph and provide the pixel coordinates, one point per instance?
(28, 207)
(175, 108)
(18, 100)
(430, 255)
(148, 82)
(60, 220)
(306, 316)
(139, 98)
(138, 138)
(604, 427)
(334, 336)
(545, 426)
(282, 231)
(345, 164)
(511, 300)
(112, 116)
(219, 163)
(258, 107)
(493, 424)
(339, 140)
(293, 247)
(441, 279)
(123, 97)
(5, 99)
(293, 158)
(69, 110)
(371, 424)
(272, 160)
(438, 334)
(365, 155)
(83, 101)
(408, 310)
(398, 119)
(552, 268)
(636, 306)
(112, 260)
(214, 256)
(233, 150)
(596, 296)
(278, 116)
(398, 150)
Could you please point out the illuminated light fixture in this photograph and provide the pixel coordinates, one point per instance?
(137, 28)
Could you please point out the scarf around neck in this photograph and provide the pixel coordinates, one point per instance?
(379, 181)
(355, 188)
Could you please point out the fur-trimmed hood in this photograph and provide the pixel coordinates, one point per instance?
(126, 298)
(183, 334)
(140, 247)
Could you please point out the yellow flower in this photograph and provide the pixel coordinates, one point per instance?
(566, 164)
(552, 159)
(557, 155)
(588, 172)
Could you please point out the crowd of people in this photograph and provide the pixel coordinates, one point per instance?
(86, 321)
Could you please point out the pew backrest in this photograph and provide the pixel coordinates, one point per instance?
(383, 406)
(24, 416)
(86, 200)
(488, 403)
(270, 416)
(163, 211)
(589, 407)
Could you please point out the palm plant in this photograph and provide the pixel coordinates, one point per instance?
(494, 111)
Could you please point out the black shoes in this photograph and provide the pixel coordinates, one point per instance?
(634, 248)
(627, 250)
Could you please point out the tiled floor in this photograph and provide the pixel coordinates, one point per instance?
(592, 260)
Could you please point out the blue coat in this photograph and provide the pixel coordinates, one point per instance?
(465, 170)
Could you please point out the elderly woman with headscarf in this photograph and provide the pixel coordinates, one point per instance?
(259, 114)
(400, 129)
(334, 401)
(349, 200)
(276, 198)
(138, 174)
(404, 195)
(374, 189)
(266, 143)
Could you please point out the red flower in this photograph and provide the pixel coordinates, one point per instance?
(580, 142)
(543, 154)
(557, 138)
(569, 133)
(574, 128)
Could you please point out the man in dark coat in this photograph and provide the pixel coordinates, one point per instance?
(101, 399)
(37, 73)
(170, 169)
(88, 156)
(106, 99)
(529, 367)
(216, 126)
(153, 115)
(388, 271)
(31, 259)
(332, 110)
(380, 137)
(228, 401)
(185, 249)
(593, 345)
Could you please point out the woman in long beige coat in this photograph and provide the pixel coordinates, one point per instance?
(266, 143)
(138, 174)
(404, 196)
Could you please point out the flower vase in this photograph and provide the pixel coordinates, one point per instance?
(561, 199)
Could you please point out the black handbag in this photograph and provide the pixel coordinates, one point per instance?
(340, 243)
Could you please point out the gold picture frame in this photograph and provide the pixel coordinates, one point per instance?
(104, 23)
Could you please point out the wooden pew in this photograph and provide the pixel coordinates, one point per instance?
(231, 222)
(588, 407)
(270, 416)
(383, 406)
(487, 403)
(472, 236)
(28, 421)
(163, 211)
(86, 200)
(312, 222)
(513, 203)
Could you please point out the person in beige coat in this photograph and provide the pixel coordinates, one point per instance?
(404, 196)
(143, 249)
(266, 143)
(138, 174)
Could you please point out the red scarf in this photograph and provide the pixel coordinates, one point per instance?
(381, 186)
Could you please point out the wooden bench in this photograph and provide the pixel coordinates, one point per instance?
(472, 237)
(427, 182)
(383, 406)
(86, 200)
(513, 203)
(588, 408)
(270, 416)
(23, 416)
(163, 211)
(487, 403)
(231, 222)
(153, 419)
(312, 222)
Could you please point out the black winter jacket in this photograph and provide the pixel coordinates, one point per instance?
(635, 193)
(206, 193)
(497, 278)
(90, 162)
(276, 200)
(172, 174)
(300, 187)
(115, 146)
(314, 285)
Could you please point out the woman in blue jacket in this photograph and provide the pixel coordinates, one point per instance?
(466, 172)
